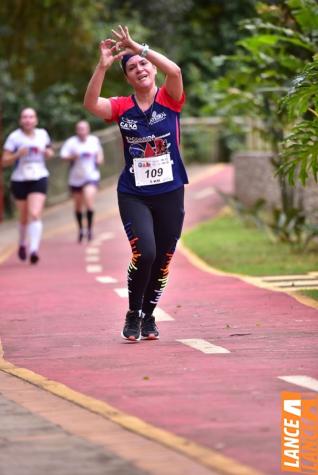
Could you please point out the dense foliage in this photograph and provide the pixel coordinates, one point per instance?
(49, 48)
(278, 44)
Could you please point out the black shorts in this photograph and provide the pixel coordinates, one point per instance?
(21, 189)
(79, 189)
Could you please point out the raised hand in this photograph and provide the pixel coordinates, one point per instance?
(125, 44)
(106, 49)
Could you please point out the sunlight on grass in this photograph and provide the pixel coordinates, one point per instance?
(229, 245)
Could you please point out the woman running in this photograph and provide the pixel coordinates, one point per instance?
(85, 153)
(151, 186)
(28, 147)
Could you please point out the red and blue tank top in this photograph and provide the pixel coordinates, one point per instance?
(150, 136)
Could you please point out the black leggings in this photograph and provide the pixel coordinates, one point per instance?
(153, 226)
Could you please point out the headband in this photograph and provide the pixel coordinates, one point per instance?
(124, 61)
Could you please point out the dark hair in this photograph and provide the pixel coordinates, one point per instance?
(124, 61)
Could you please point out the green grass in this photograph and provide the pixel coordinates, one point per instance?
(229, 245)
(310, 293)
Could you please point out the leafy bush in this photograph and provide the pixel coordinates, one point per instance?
(299, 155)
(291, 227)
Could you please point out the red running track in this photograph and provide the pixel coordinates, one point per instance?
(61, 323)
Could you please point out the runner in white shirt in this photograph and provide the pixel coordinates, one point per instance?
(86, 154)
(28, 147)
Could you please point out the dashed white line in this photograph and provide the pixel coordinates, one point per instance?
(106, 236)
(92, 250)
(92, 269)
(301, 380)
(161, 315)
(102, 237)
(204, 346)
(106, 279)
(204, 193)
(91, 258)
(122, 292)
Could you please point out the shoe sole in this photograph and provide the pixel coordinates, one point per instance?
(22, 255)
(34, 260)
(150, 337)
(130, 339)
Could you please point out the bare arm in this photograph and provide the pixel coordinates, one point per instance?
(100, 156)
(49, 152)
(8, 158)
(100, 106)
(172, 71)
(173, 81)
(71, 158)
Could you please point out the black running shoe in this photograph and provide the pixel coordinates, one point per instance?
(34, 258)
(149, 329)
(89, 235)
(80, 235)
(131, 330)
(22, 253)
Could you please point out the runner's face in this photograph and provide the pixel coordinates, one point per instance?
(140, 72)
(28, 120)
(82, 130)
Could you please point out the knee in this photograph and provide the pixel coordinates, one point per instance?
(146, 254)
(147, 257)
(34, 216)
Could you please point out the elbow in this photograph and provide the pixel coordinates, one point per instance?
(87, 103)
(177, 71)
(89, 106)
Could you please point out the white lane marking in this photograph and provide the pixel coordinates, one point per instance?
(92, 250)
(93, 269)
(199, 195)
(122, 292)
(102, 237)
(96, 243)
(204, 346)
(161, 315)
(105, 236)
(106, 279)
(301, 380)
(91, 258)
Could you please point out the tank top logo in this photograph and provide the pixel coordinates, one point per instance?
(157, 117)
(128, 124)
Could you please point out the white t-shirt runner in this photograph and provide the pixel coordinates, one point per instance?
(32, 165)
(84, 169)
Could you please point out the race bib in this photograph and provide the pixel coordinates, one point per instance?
(31, 171)
(153, 170)
(80, 171)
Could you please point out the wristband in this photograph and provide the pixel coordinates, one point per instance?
(144, 51)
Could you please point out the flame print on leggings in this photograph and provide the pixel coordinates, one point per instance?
(164, 273)
(135, 253)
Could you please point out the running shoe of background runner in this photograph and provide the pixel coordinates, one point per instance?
(22, 253)
(80, 235)
(34, 258)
